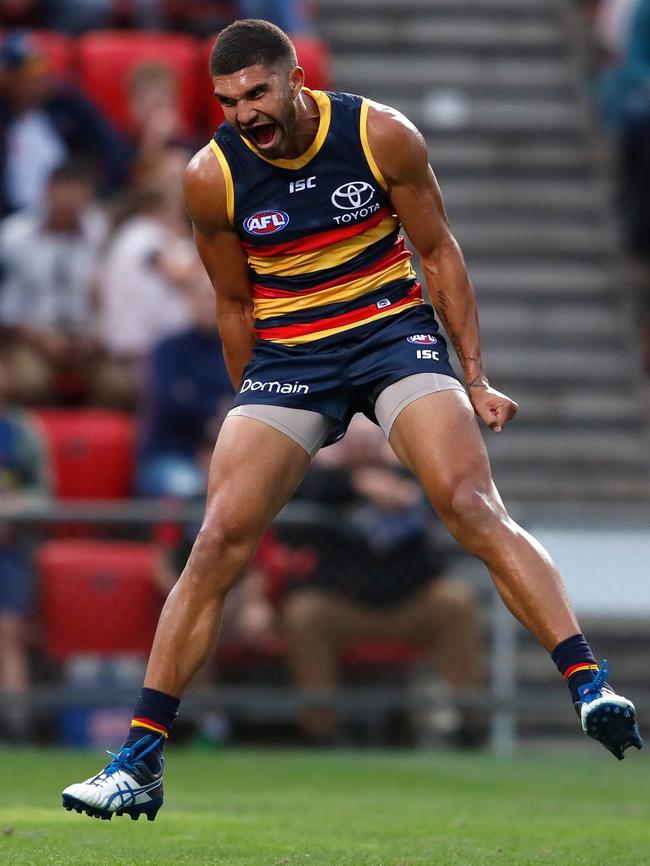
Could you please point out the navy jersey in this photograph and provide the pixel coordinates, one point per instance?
(322, 241)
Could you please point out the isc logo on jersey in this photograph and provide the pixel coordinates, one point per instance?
(423, 339)
(266, 222)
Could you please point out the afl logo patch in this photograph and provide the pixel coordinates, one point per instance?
(353, 195)
(266, 222)
(423, 339)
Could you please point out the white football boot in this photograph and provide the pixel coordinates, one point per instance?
(127, 786)
(608, 717)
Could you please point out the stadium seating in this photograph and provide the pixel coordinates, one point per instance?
(314, 58)
(107, 58)
(59, 50)
(279, 563)
(92, 452)
(97, 597)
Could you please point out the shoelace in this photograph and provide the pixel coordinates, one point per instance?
(598, 681)
(128, 759)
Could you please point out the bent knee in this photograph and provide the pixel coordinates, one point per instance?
(304, 611)
(220, 554)
(455, 596)
(474, 505)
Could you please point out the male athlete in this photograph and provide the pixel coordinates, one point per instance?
(297, 206)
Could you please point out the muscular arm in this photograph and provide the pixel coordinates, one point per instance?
(222, 254)
(401, 154)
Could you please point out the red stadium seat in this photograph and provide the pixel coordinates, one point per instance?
(97, 597)
(59, 51)
(92, 452)
(107, 59)
(313, 56)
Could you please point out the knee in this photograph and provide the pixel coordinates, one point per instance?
(455, 597)
(474, 513)
(303, 613)
(222, 550)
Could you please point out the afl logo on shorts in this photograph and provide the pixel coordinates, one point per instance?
(423, 339)
(266, 222)
(353, 195)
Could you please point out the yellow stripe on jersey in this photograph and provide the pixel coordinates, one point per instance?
(365, 144)
(322, 100)
(318, 335)
(326, 257)
(227, 175)
(267, 308)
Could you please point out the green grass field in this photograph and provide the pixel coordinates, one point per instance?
(295, 808)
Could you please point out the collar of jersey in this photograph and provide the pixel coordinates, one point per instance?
(322, 100)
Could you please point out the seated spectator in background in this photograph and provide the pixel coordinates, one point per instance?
(23, 476)
(378, 577)
(612, 25)
(149, 266)
(48, 259)
(635, 133)
(23, 13)
(289, 15)
(156, 121)
(44, 123)
(199, 17)
(78, 16)
(186, 395)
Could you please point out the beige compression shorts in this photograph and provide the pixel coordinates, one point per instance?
(311, 429)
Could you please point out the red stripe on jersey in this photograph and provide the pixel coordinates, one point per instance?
(318, 240)
(303, 328)
(396, 254)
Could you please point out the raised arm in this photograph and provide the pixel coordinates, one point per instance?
(401, 154)
(222, 254)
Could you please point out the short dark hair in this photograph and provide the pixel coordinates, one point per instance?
(250, 41)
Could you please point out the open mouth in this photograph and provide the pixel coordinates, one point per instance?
(264, 135)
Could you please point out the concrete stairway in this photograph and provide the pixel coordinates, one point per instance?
(495, 87)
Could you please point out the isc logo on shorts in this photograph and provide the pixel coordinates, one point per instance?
(423, 339)
(266, 222)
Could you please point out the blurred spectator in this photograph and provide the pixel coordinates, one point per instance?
(612, 25)
(200, 17)
(23, 476)
(23, 13)
(149, 266)
(380, 579)
(635, 132)
(48, 259)
(157, 124)
(77, 16)
(43, 123)
(187, 394)
(290, 15)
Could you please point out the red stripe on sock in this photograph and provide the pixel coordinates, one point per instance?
(581, 666)
(148, 723)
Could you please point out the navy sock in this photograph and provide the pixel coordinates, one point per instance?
(575, 661)
(154, 714)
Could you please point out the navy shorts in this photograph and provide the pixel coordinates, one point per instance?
(340, 380)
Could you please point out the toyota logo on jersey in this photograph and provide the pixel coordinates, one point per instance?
(353, 195)
(266, 222)
(423, 339)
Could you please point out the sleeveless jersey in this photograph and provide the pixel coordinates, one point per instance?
(324, 251)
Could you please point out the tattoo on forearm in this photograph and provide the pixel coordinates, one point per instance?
(478, 381)
(453, 330)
